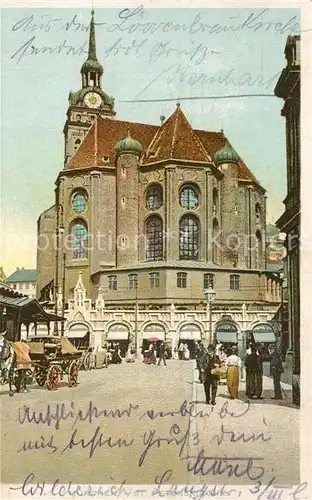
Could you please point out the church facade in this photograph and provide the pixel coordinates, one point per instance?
(152, 215)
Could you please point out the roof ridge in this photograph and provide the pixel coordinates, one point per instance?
(197, 139)
(175, 126)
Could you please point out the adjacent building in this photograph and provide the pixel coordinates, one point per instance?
(288, 88)
(148, 216)
(24, 281)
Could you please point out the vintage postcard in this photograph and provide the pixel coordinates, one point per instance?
(151, 328)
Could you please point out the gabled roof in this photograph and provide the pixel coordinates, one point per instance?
(174, 139)
(102, 137)
(22, 275)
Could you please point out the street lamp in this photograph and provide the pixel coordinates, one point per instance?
(59, 231)
(136, 319)
(210, 296)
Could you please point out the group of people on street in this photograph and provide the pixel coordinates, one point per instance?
(214, 364)
(149, 356)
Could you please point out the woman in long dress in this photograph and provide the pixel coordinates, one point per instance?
(223, 358)
(186, 353)
(254, 374)
(233, 364)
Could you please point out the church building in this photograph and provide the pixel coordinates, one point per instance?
(147, 217)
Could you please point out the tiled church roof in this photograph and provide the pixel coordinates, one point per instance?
(174, 139)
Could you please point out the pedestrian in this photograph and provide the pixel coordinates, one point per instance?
(254, 374)
(209, 361)
(233, 364)
(162, 354)
(223, 358)
(181, 350)
(276, 370)
(186, 353)
(199, 354)
(218, 347)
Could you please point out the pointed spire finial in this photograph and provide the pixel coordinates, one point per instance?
(178, 104)
(129, 132)
(92, 44)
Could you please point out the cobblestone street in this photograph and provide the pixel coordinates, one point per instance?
(77, 443)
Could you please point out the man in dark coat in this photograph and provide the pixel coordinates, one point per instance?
(199, 354)
(208, 362)
(276, 370)
(162, 353)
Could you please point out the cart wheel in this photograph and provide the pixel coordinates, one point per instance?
(40, 377)
(87, 362)
(53, 377)
(73, 374)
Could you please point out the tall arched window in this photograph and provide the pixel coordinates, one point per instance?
(189, 238)
(154, 238)
(215, 201)
(79, 235)
(154, 197)
(215, 241)
(258, 213)
(189, 197)
(258, 250)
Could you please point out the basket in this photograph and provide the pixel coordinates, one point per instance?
(219, 371)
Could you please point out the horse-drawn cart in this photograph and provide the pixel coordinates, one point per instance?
(53, 357)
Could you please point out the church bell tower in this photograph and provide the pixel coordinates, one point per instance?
(89, 102)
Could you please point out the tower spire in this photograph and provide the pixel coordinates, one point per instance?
(92, 43)
(91, 69)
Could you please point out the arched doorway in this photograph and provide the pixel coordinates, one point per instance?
(154, 332)
(118, 334)
(226, 332)
(79, 335)
(190, 334)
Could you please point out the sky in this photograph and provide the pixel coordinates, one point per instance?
(148, 55)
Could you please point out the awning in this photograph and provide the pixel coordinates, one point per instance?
(264, 337)
(226, 337)
(76, 334)
(158, 335)
(77, 331)
(117, 335)
(190, 332)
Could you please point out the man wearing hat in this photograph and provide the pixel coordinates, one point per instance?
(208, 362)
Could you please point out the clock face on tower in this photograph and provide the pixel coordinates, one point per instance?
(92, 100)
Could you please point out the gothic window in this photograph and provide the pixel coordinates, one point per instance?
(215, 201)
(215, 241)
(79, 202)
(154, 198)
(189, 238)
(154, 238)
(234, 282)
(181, 280)
(78, 117)
(79, 234)
(189, 197)
(132, 281)
(154, 280)
(208, 280)
(112, 282)
(258, 213)
(258, 250)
